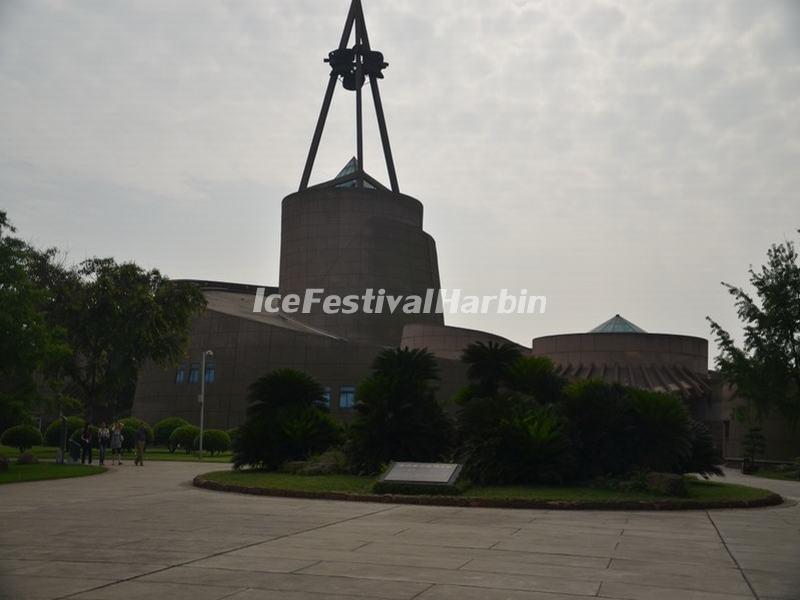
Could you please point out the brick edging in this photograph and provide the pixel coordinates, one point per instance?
(770, 500)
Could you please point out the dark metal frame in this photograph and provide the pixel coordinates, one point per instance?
(355, 18)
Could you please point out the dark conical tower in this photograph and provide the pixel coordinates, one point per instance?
(353, 233)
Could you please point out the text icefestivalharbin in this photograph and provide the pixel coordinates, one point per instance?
(378, 301)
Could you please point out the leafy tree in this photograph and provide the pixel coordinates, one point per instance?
(116, 317)
(28, 345)
(286, 420)
(766, 368)
(704, 459)
(489, 364)
(398, 416)
(52, 435)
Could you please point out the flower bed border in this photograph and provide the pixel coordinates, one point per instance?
(772, 499)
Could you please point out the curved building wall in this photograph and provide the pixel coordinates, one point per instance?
(348, 240)
(443, 341)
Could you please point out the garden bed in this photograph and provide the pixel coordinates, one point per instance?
(38, 472)
(702, 494)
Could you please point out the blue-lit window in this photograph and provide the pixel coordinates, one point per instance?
(326, 397)
(211, 373)
(347, 396)
(194, 374)
(180, 375)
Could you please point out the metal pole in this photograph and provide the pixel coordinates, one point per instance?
(359, 82)
(202, 400)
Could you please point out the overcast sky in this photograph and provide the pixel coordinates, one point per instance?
(617, 157)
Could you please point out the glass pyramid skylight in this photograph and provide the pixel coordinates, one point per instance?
(350, 168)
(617, 324)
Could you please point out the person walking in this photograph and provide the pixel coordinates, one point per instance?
(86, 444)
(141, 440)
(116, 443)
(103, 440)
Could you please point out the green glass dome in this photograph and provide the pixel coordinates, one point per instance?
(617, 324)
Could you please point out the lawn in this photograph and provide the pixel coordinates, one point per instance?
(17, 473)
(699, 491)
(780, 475)
(154, 453)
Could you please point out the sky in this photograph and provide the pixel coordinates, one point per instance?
(616, 157)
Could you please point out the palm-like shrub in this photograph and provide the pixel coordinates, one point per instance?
(704, 458)
(602, 428)
(182, 437)
(164, 428)
(511, 439)
(215, 441)
(662, 430)
(21, 437)
(398, 417)
(286, 420)
(489, 364)
(535, 376)
(52, 435)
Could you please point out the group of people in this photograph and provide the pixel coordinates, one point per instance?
(111, 439)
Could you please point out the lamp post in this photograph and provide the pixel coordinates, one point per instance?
(202, 398)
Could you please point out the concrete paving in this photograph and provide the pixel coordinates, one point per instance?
(139, 533)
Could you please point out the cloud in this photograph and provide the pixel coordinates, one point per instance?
(616, 156)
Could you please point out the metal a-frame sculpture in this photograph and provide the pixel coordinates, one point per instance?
(354, 65)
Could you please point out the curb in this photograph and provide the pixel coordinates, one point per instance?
(770, 500)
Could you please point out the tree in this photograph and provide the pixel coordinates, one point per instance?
(116, 318)
(286, 420)
(489, 364)
(766, 368)
(28, 345)
(398, 416)
(536, 376)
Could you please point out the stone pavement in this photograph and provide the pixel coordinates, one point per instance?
(145, 533)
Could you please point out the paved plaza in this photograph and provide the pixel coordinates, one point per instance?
(146, 533)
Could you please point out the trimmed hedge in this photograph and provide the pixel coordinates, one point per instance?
(52, 435)
(183, 437)
(164, 428)
(21, 437)
(214, 441)
(134, 424)
(76, 435)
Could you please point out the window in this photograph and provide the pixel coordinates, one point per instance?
(211, 373)
(180, 375)
(194, 374)
(326, 397)
(347, 396)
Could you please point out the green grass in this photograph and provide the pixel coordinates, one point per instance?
(698, 490)
(17, 473)
(154, 453)
(779, 475)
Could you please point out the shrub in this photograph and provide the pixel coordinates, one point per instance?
(27, 458)
(535, 376)
(21, 437)
(512, 439)
(52, 435)
(233, 433)
(285, 421)
(704, 459)
(398, 416)
(134, 424)
(662, 434)
(164, 428)
(601, 427)
(183, 437)
(76, 435)
(214, 441)
(489, 364)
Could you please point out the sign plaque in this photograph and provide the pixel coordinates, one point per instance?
(422, 473)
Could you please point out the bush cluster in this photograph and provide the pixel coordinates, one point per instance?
(183, 437)
(52, 435)
(164, 428)
(214, 441)
(517, 422)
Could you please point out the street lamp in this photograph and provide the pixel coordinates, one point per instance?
(202, 397)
